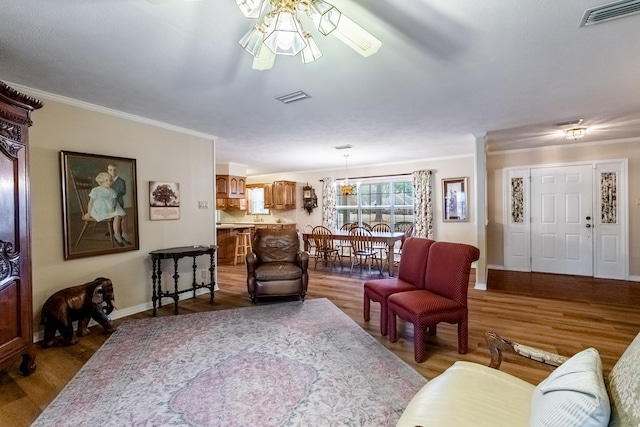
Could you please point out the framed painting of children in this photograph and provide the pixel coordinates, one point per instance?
(99, 204)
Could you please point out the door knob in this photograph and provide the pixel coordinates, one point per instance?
(588, 225)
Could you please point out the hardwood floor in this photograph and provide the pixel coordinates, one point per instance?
(567, 318)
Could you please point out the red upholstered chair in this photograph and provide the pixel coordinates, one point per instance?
(411, 271)
(443, 299)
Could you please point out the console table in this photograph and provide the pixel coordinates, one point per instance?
(176, 254)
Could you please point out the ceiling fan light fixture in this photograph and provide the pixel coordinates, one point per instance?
(251, 8)
(311, 52)
(325, 16)
(282, 32)
(264, 60)
(253, 40)
(284, 35)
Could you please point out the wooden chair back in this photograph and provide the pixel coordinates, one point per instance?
(361, 241)
(381, 228)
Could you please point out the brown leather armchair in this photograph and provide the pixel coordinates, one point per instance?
(276, 266)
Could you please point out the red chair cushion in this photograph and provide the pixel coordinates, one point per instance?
(417, 306)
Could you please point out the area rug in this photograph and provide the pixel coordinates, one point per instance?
(287, 364)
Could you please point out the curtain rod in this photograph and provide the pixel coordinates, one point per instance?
(372, 176)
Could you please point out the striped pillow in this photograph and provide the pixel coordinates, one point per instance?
(572, 395)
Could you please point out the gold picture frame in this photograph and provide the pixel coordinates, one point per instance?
(109, 223)
(455, 200)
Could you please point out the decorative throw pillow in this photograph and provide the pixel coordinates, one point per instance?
(624, 388)
(573, 395)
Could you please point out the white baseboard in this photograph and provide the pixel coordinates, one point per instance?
(480, 286)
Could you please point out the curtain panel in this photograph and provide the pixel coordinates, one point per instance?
(423, 203)
(329, 203)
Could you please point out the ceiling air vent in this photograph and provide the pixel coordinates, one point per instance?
(292, 97)
(618, 9)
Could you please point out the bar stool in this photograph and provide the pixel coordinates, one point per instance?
(243, 245)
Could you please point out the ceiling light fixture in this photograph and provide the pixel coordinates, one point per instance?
(575, 133)
(279, 32)
(572, 130)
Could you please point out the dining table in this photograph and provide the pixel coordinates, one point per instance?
(388, 238)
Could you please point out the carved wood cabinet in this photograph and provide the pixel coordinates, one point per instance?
(284, 195)
(16, 312)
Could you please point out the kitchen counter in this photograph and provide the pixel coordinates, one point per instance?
(226, 233)
(236, 225)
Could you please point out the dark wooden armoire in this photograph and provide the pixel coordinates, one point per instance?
(16, 312)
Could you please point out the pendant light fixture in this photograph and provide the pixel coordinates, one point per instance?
(346, 189)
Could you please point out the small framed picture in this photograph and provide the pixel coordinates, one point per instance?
(99, 204)
(454, 199)
(164, 200)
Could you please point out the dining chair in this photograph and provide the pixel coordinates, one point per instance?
(307, 229)
(363, 251)
(382, 247)
(324, 244)
(344, 246)
(397, 252)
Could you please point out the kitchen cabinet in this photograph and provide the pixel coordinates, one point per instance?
(230, 187)
(16, 313)
(231, 192)
(280, 195)
(224, 203)
(268, 196)
(284, 195)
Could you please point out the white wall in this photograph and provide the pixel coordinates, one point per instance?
(463, 232)
(161, 155)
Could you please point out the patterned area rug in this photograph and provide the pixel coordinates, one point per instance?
(287, 364)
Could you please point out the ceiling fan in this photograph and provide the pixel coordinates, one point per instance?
(278, 30)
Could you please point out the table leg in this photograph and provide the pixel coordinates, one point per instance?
(194, 284)
(390, 245)
(212, 282)
(154, 276)
(176, 296)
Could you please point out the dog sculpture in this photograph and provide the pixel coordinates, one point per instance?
(93, 300)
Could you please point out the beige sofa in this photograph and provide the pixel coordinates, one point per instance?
(574, 394)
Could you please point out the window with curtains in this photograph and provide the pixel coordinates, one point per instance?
(377, 200)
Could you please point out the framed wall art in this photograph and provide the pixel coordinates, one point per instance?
(454, 199)
(99, 204)
(164, 200)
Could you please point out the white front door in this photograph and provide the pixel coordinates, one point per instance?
(562, 220)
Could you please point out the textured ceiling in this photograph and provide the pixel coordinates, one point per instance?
(447, 69)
